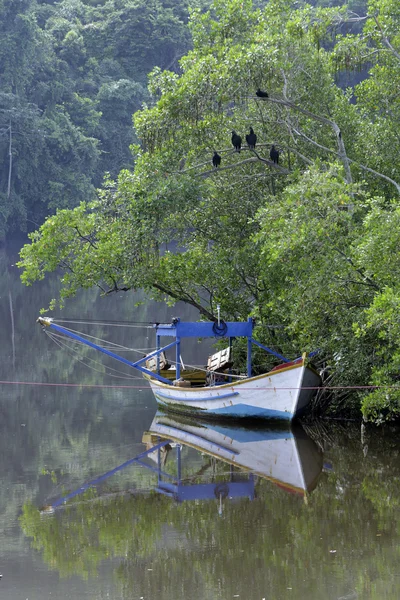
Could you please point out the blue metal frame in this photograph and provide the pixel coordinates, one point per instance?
(191, 329)
(101, 478)
(179, 330)
(270, 351)
(135, 365)
(174, 487)
(203, 491)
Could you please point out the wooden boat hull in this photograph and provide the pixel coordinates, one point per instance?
(281, 394)
(286, 455)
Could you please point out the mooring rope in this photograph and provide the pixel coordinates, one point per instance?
(243, 387)
(112, 345)
(133, 324)
(62, 344)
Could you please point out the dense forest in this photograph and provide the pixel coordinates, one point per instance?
(71, 76)
(298, 227)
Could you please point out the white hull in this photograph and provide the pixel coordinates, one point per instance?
(281, 394)
(288, 457)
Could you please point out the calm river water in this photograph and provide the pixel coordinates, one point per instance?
(217, 513)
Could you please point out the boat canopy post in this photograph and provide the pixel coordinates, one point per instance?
(249, 338)
(179, 461)
(178, 330)
(206, 329)
(178, 357)
(158, 345)
(181, 491)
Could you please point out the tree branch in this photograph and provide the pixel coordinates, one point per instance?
(243, 162)
(354, 162)
(385, 39)
(341, 147)
(85, 238)
(203, 311)
(359, 271)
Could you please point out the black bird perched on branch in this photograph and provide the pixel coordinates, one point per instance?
(251, 139)
(216, 160)
(274, 154)
(261, 93)
(236, 141)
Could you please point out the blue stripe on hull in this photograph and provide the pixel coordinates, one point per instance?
(244, 410)
(244, 436)
(239, 411)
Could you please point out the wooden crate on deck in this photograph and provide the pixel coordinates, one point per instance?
(220, 361)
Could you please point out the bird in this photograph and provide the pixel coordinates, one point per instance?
(236, 141)
(261, 93)
(274, 155)
(251, 139)
(216, 160)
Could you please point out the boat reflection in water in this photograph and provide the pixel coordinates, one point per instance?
(286, 456)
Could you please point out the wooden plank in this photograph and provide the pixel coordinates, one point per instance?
(151, 364)
(220, 360)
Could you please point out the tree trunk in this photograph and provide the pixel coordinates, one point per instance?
(9, 163)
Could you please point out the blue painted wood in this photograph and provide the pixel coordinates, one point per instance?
(101, 478)
(178, 358)
(243, 435)
(270, 351)
(135, 365)
(195, 437)
(245, 410)
(248, 357)
(203, 330)
(207, 491)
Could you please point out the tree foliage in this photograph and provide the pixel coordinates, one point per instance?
(71, 77)
(291, 243)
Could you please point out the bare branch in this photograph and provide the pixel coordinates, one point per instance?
(385, 39)
(243, 162)
(85, 238)
(354, 162)
(359, 271)
(185, 298)
(341, 148)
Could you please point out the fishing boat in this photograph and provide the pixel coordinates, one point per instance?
(215, 391)
(284, 455)
(281, 453)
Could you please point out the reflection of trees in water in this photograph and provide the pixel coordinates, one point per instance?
(348, 526)
(38, 359)
(69, 433)
(74, 431)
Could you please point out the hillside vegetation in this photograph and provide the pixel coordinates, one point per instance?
(308, 245)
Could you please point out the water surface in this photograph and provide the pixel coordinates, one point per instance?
(227, 529)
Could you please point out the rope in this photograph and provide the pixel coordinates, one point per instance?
(63, 344)
(92, 337)
(135, 324)
(141, 387)
(220, 329)
(112, 345)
